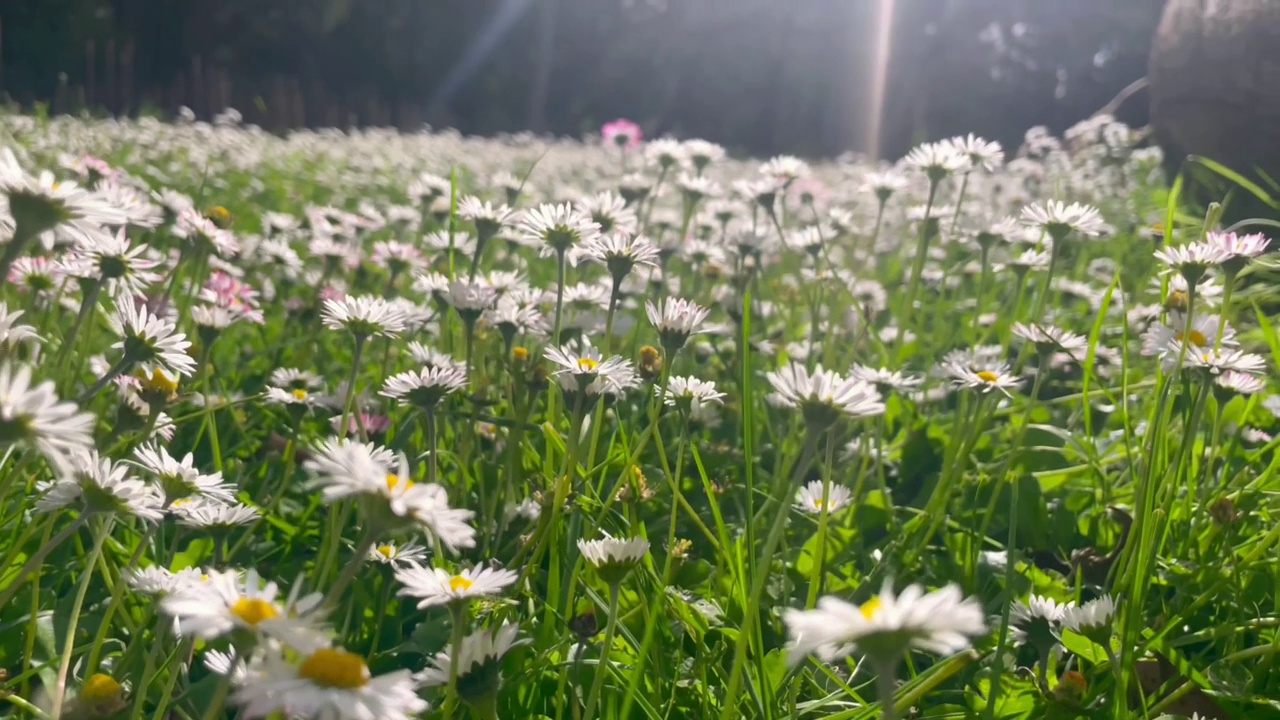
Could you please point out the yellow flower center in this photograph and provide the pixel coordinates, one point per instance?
(299, 394)
(335, 669)
(519, 354)
(817, 503)
(386, 551)
(457, 583)
(988, 377)
(159, 381)
(1196, 337)
(396, 483)
(99, 689)
(869, 608)
(587, 365)
(253, 610)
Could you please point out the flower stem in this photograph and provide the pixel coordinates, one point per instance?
(68, 648)
(458, 615)
(602, 668)
(351, 385)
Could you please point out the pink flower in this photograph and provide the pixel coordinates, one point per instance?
(623, 133)
(228, 292)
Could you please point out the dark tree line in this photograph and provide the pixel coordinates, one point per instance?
(757, 75)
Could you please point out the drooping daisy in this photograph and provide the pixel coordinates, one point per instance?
(363, 316)
(884, 183)
(809, 497)
(425, 388)
(12, 332)
(476, 663)
(1240, 383)
(326, 684)
(433, 586)
(470, 299)
(675, 319)
(613, 558)
(181, 479)
(96, 484)
(34, 418)
(228, 602)
(886, 626)
(1059, 219)
(211, 515)
(885, 380)
(1048, 339)
(149, 341)
(823, 396)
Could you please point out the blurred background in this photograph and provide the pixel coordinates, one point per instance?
(758, 76)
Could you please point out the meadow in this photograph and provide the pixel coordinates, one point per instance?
(374, 426)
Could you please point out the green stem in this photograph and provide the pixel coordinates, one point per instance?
(350, 399)
(602, 668)
(37, 559)
(68, 647)
(458, 616)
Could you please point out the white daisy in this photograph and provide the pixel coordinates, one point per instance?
(885, 380)
(1059, 219)
(885, 626)
(1240, 383)
(156, 580)
(809, 497)
(675, 319)
(111, 260)
(476, 662)
(557, 228)
(424, 388)
(983, 377)
(936, 160)
(13, 333)
(985, 154)
(363, 316)
(149, 341)
(34, 418)
(212, 515)
(1092, 619)
(228, 602)
(702, 153)
(397, 555)
(691, 393)
(326, 684)
(95, 484)
(823, 396)
(613, 558)
(1048, 338)
(433, 586)
(181, 479)
(619, 252)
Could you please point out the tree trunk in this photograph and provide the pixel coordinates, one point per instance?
(1215, 75)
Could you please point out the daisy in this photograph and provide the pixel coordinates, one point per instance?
(886, 626)
(1192, 261)
(1048, 338)
(424, 388)
(228, 602)
(363, 316)
(666, 153)
(211, 515)
(397, 555)
(156, 580)
(95, 484)
(380, 479)
(696, 188)
(297, 398)
(39, 203)
(985, 154)
(204, 235)
(1221, 360)
(989, 376)
(936, 160)
(1238, 249)
(1036, 621)
(691, 393)
(326, 684)
(620, 253)
(181, 479)
(582, 363)
(110, 259)
(489, 220)
(430, 357)
(613, 558)
(1240, 383)
(886, 381)
(1092, 620)
(513, 317)
(1161, 338)
(149, 341)
(884, 183)
(675, 319)
(427, 187)
(809, 497)
(433, 586)
(475, 662)
(13, 333)
(702, 153)
(556, 228)
(1059, 219)
(471, 299)
(610, 213)
(823, 396)
(621, 133)
(1029, 260)
(34, 418)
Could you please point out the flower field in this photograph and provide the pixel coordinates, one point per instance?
(375, 426)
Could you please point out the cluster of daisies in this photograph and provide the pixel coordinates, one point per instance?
(467, 398)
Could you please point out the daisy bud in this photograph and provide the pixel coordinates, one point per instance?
(613, 559)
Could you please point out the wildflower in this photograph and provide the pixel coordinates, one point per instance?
(809, 497)
(34, 417)
(610, 212)
(1192, 261)
(471, 299)
(613, 558)
(424, 388)
(150, 341)
(476, 662)
(212, 515)
(621, 133)
(13, 333)
(884, 183)
(557, 228)
(1036, 622)
(988, 377)
(397, 555)
(181, 479)
(984, 154)
(886, 626)
(885, 380)
(363, 316)
(489, 220)
(39, 203)
(1237, 250)
(936, 160)
(433, 586)
(156, 580)
(1220, 360)
(785, 169)
(665, 153)
(702, 153)
(1240, 383)
(620, 253)
(691, 393)
(326, 684)
(95, 484)
(675, 320)
(110, 260)
(229, 603)
(823, 396)
(1029, 260)
(295, 399)
(584, 365)
(1059, 219)
(1165, 340)
(1048, 339)
(1092, 620)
